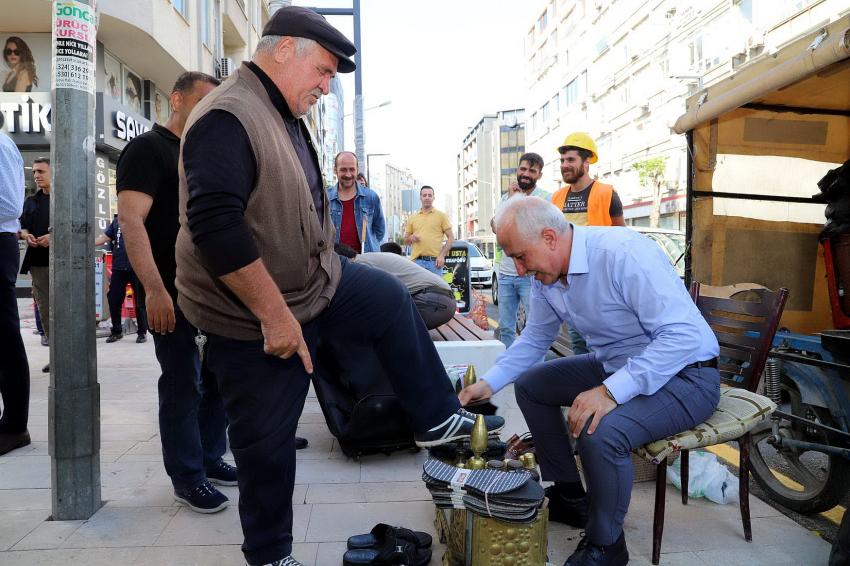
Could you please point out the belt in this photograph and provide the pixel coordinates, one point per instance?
(712, 363)
(428, 257)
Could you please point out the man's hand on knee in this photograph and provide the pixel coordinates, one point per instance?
(593, 403)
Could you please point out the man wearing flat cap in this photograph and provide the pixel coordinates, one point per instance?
(258, 276)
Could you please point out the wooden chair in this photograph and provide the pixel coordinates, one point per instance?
(744, 328)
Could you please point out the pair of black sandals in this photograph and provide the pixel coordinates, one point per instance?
(387, 545)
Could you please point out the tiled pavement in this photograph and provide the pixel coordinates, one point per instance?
(335, 497)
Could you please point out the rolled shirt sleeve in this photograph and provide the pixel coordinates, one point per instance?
(667, 315)
(220, 169)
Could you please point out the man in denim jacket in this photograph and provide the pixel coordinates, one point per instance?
(355, 208)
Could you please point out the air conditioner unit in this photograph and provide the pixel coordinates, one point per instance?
(226, 67)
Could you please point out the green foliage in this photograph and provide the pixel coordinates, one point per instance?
(650, 170)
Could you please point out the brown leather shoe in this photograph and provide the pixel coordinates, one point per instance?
(11, 440)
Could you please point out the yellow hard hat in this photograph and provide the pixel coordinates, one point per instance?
(582, 140)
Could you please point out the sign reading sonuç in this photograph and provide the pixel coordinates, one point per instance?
(74, 44)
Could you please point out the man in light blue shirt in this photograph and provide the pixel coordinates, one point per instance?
(652, 372)
(14, 367)
(514, 288)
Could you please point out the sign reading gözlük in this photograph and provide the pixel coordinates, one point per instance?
(74, 44)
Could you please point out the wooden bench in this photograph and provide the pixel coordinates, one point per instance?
(459, 341)
(563, 345)
(460, 328)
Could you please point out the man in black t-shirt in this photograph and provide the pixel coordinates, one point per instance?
(576, 204)
(191, 414)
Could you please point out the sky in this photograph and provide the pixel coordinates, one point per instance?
(443, 65)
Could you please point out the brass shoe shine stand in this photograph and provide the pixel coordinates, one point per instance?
(477, 540)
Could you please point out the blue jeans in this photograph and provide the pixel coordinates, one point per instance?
(685, 401)
(430, 265)
(191, 414)
(512, 290)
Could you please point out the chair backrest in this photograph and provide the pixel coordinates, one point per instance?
(744, 327)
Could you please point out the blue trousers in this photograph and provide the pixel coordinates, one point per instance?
(264, 395)
(14, 367)
(513, 289)
(688, 399)
(192, 422)
(430, 265)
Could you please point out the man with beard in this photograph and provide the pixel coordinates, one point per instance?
(585, 201)
(355, 208)
(515, 288)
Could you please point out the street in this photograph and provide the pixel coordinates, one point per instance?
(824, 524)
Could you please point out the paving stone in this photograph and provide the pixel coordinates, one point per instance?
(48, 535)
(122, 527)
(15, 525)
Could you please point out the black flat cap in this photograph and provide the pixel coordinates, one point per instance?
(296, 21)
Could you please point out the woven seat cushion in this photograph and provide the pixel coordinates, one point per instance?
(736, 414)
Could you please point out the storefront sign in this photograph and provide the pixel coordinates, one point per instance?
(74, 45)
(25, 117)
(117, 124)
(102, 202)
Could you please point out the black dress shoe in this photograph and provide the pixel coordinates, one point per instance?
(589, 554)
(11, 440)
(300, 443)
(572, 512)
(141, 338)
(114, 338)
(46, 369)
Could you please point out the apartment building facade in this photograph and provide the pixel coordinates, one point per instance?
(621, 70)
(486, 166)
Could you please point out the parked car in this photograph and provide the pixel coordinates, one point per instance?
(481, 270)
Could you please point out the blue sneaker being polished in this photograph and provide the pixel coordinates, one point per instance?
(457, 427)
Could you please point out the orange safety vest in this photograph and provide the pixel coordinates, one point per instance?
(598, 203)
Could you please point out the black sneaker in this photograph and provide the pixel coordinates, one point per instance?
(456, 427)
(572, 512)
(46, 369)
(589, 554)
(114, 338)
(204, 498)
(222, 474)
(141, 338)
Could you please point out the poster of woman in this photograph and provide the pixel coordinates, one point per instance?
(112, 77)
(21, 74)
(161, 108)
(132, 91)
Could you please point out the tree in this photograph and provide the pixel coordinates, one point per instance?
(651, 175)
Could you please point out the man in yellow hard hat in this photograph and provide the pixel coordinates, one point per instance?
(584, 201)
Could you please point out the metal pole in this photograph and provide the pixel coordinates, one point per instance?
(359, 135)
(74, 394)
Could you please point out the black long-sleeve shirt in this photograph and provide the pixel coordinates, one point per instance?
(221, 173)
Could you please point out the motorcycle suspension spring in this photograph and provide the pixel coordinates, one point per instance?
(771, 383)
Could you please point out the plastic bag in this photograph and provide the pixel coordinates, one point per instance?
(707, 477)
(478, 312)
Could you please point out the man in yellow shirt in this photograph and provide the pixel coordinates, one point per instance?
(425, 232)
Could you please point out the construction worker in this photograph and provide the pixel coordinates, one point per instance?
(584, 201)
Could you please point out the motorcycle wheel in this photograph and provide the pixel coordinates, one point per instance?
(805, 481)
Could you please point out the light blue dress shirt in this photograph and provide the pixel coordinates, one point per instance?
(625, 298)
(11, 185)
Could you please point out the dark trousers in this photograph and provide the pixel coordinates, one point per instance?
(14, 367)
(191, 414)
(115, 296)
(264, 395)
(686, 400)
(435, 307)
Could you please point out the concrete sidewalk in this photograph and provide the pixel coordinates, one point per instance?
(140, 523)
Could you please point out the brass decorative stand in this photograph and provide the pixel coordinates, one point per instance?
(474, 540)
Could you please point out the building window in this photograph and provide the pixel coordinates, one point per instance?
(181, 6)
(571, 93)
(542, 21)
(545, 116)
(257, 12)
(206, 38)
